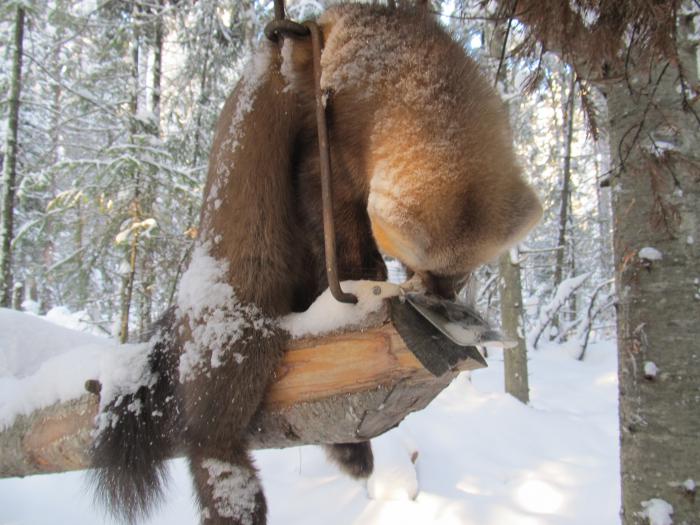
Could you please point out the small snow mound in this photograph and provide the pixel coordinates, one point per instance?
(42, 364)
(394, 476)
(79, 321)
(650, 254)
(30, 306)
(650, 369)
(657, 511)
(327, 315)
(28, 341)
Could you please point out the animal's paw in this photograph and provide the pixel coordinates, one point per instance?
(355, 459)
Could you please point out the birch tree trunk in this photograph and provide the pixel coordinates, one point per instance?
(655, 140)
(514, 359)
(9, 176)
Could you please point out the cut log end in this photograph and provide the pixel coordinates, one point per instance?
(339, 388)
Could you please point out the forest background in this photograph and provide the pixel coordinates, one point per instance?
(110, 107)
(118, 101)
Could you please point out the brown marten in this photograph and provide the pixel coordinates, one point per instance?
(424, 171)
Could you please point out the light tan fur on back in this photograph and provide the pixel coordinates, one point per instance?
(445, 191)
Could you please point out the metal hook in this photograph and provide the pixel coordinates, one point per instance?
(326, 182)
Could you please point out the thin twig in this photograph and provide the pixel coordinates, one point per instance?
(505, 43)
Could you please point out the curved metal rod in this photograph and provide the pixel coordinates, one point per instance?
(279, 10)
(326, 183)
(285, 28)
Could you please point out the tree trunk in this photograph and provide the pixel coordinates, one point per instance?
(129, 279)
(157, 63)
(9, 176)
(514, 359)
(656, 203)
(565, 194)
(128, 289)
(83, 277)
(46, 277)
(604, 214)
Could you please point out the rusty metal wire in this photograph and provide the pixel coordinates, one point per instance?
(279, 10)
(285, 28)
(326, 174)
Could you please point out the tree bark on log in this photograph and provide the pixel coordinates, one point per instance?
(339, 388)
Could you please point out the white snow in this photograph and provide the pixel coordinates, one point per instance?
(123, 369)
(650, 369)
(482, 457)
(80, 320)
(42, 364)
(327, 315)
(657, 511)
(143, 227)
(650, 254)
(394, 476)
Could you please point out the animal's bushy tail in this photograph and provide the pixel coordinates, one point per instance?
(137, 433)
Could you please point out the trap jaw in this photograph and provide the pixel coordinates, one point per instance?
(458, 322)
(442, 333)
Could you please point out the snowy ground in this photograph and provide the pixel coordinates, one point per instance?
(483, 458)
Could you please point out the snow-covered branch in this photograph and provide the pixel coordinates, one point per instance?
(334, 388)
(565, 290)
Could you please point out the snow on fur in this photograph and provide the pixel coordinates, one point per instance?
(215, 316)
(394, 476)
(234, 490)
(252, 77)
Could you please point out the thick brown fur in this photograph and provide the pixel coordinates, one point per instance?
(426, 175)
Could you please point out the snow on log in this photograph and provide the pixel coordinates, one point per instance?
(338, 388)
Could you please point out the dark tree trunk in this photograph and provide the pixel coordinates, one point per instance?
(9, 176)
(565, 193)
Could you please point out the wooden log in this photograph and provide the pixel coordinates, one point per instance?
(339, 388)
